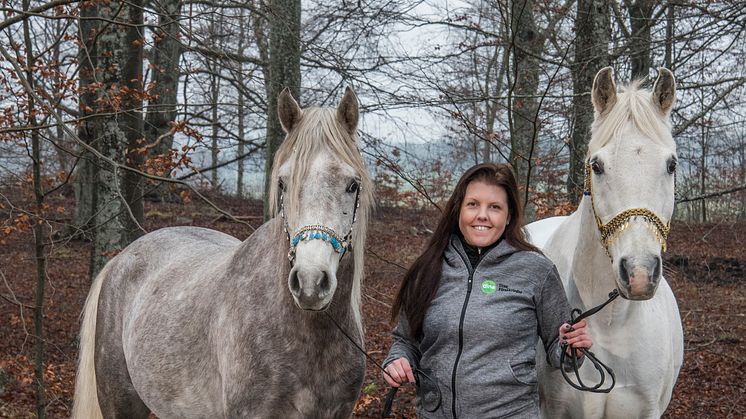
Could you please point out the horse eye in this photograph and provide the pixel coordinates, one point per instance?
(352, 187)
(671, 166)
(597, 167)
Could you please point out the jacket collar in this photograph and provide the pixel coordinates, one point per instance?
(499, 251)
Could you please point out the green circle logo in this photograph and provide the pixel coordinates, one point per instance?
(489, 286)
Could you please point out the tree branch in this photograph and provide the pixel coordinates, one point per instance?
(709, 107)
(711, 194)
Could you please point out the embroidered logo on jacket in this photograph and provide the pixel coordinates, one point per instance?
(489, 286)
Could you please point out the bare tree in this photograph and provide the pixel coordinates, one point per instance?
(640, 22)
(591, 54)
(117, 199)
(165, 54)
(284, 72)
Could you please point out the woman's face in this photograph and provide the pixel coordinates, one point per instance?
(484, 214)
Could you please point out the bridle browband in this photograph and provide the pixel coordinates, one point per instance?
(340, 245)
(611, 230)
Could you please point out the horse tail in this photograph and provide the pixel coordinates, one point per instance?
(85, 404)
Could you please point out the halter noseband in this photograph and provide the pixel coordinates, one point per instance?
(611, 230)
(320, 232)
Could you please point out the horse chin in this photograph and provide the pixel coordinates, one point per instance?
(318, 307)
(638, 293)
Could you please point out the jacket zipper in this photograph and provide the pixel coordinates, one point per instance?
(461, 331)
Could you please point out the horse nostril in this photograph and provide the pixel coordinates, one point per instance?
(624, 270)
(294, 283)
(656, 270)
(324, 283)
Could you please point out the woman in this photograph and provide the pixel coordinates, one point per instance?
(473, 306)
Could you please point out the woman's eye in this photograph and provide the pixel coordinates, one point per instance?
(352, 187)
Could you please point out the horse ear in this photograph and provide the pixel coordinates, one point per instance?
(288, 110)
(664, 90)
(603, 93)
(347, 111)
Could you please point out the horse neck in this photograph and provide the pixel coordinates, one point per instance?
(309, 324)
(592, 268)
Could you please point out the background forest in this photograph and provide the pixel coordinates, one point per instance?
(122, 117)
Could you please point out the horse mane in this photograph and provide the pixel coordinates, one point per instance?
(633, 105)
(318, 130)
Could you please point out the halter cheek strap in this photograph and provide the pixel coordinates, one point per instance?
(611, 230)
(340, 245)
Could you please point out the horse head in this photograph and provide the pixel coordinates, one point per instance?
(323, 191)
(630, 173)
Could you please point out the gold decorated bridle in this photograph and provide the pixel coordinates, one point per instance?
(611, 230)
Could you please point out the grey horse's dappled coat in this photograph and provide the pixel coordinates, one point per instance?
(287, 370)
(189, 322)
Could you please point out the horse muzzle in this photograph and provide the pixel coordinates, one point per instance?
(638, 278)
(312, 288)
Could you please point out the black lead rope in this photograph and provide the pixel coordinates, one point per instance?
(602, 368)
(390, 395)
(386, 413)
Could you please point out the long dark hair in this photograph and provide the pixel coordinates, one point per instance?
(422, 280)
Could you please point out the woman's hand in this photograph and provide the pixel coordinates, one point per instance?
(576, 336)
(399, 372)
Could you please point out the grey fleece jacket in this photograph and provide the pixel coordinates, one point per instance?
(481, 330)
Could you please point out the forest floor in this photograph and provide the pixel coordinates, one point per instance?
(705, 265)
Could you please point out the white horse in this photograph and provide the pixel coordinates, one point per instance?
(614, 240)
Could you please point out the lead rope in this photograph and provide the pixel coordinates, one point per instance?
(389, 396)
(602, 368)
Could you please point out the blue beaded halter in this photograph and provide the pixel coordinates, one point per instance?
(320, 232)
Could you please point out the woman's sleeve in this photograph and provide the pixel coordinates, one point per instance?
(552, 311)
(404, 345)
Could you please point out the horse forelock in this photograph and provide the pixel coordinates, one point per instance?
(319, 131)
(633, 106)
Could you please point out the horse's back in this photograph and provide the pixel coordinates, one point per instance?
(539, 232)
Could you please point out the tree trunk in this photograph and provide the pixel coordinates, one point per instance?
(39, 227)
(83, 180)
(215, 123)
(241, 111)
(284, 71)
(528, 45)
(591, 54)
(112, 134)
(165, 66)
(640, 19)
(131, 121)
(670, 18)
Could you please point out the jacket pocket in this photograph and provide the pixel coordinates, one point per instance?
(524, 371)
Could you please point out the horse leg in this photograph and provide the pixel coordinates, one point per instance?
(117, 395)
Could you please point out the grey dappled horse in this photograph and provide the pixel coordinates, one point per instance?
(189, 322)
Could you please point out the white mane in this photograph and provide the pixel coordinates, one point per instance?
(318, 131)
